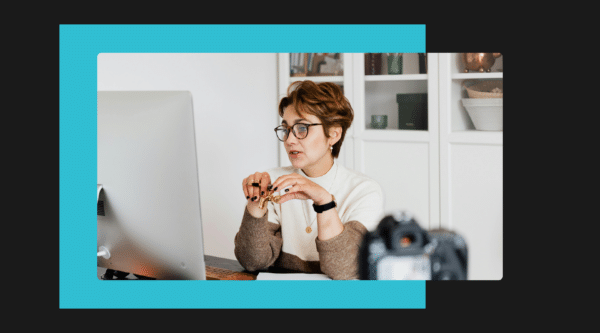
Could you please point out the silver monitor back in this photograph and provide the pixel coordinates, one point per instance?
(147, 167)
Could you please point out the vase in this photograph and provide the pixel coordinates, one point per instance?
(394, 63)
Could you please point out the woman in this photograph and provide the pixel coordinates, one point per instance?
(320, 231)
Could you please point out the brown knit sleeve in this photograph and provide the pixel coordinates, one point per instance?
(258, 242)
(338, 256)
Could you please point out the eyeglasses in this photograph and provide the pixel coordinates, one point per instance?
(300, 131)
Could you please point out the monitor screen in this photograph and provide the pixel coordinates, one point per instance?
(149, 220)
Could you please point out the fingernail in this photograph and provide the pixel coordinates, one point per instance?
(275, 189)
(247, 197)
(262, 193)
(287, 189)
(254, 198)
(255, 184)
(269, 187)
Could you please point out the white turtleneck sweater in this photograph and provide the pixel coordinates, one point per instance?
(280, 239)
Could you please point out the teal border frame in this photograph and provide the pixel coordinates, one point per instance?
(79, 46)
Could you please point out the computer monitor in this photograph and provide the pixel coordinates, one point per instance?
(149, 220)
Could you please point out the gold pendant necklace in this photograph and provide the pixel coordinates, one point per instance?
(308, 228)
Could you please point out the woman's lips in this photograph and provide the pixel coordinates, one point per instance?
(294, 155)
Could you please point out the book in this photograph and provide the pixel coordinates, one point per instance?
(422, 63)
(373, 63)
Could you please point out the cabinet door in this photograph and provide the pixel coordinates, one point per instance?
(402, 170)
(402, 157)
(475, 206)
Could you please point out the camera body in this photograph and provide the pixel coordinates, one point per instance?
(399, 249)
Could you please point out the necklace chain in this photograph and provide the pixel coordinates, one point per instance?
(308, 228)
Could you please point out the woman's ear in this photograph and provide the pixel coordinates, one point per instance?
(335, 134)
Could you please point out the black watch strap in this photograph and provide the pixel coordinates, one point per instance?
(327, 206)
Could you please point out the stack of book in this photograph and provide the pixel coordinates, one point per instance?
(298, 64)
(301, 64)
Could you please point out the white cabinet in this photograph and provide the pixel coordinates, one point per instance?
(470, 171)
(449, 175)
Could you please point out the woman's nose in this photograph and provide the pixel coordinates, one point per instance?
(291, 139)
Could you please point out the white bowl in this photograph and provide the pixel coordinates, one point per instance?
(486, 113)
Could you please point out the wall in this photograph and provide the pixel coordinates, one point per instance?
(235, 110)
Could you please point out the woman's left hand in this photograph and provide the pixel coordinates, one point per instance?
(301, 188)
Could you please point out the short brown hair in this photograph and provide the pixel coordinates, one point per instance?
(324, 100)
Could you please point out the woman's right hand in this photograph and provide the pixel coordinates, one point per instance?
(256, 186)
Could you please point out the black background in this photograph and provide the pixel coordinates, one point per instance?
(450, 305)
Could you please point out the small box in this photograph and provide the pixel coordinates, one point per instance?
(412, 111)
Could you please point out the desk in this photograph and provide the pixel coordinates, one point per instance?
(216, 269)
(226, 269)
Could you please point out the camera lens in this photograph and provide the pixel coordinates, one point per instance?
(407, 240)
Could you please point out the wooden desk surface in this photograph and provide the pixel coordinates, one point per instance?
(216, 269)
(226, 269)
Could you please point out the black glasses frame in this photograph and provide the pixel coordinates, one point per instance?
(293, 130)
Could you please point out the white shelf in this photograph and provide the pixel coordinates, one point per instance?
(476, 137)
(394, 135)
(463, 76)
(396, 77)
(324, 78)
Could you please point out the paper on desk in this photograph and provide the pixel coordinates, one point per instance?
(291, 276)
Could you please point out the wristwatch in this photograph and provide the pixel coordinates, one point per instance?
(327, 206)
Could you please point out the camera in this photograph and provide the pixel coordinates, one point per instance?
(399, 249)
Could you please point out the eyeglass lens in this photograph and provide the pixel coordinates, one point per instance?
(300, 130)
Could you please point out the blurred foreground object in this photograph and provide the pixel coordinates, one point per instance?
(399, 249)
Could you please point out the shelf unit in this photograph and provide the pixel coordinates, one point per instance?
(471, 173)
(380, 153)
